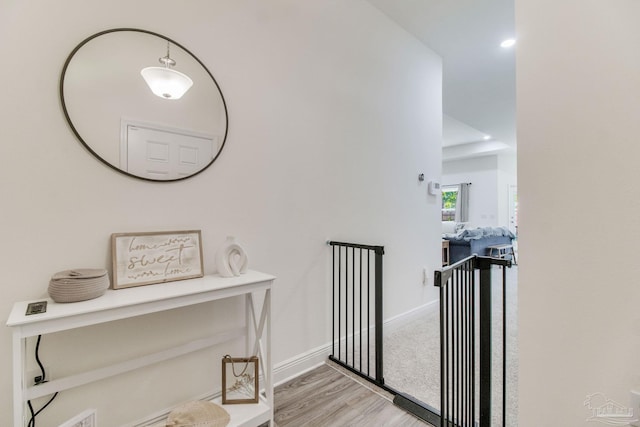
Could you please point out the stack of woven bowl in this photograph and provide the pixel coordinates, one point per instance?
(78, 285)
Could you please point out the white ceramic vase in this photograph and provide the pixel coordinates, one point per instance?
(231, 259)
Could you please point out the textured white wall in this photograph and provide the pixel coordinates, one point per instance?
(507, 176)
(578, 84)
(482, 173)
(334, 111)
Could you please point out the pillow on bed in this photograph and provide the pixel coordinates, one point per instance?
(449, 227)
(474, 234)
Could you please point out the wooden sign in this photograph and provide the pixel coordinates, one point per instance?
(148, 258)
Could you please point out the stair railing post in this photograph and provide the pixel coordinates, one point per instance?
(484, 265)
(379, 251)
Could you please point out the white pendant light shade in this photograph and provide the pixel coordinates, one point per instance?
(165, 82)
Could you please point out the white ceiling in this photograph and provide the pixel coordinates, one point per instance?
(478, 75)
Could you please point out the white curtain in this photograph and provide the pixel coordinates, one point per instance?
(462, 203)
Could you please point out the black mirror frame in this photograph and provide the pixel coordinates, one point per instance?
(96, 155)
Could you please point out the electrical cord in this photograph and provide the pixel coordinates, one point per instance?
(32, 421)
(43, 379)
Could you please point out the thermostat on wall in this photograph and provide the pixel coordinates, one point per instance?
(434, 187)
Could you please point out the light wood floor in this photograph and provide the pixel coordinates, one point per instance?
(327, 397)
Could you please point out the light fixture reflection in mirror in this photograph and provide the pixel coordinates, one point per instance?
(112, 112)
(166, 82)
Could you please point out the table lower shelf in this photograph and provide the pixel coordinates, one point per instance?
(242, 415)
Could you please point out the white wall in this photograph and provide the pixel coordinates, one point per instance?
(482, 173)
(578, 153)
(507, 176)
(490, 177)
(334, 111)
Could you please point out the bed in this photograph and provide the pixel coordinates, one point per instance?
(475, 241)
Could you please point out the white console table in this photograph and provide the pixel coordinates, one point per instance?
(137, 301)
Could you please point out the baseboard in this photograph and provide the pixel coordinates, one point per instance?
(298, 365)
(395, 322)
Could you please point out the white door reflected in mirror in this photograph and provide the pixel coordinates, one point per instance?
(164, 154)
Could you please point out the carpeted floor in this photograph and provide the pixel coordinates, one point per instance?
(412, 354)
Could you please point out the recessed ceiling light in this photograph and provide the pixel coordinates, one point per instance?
(486, 137)
(508, 43)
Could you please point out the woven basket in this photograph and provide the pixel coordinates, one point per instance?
(80, 284)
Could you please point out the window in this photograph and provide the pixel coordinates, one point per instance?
(449, 199)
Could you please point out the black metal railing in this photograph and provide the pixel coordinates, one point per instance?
(357, 309)
(466, 297)
(466, 342)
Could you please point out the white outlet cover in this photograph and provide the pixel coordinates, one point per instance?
(88, 418)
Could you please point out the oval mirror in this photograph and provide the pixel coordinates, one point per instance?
(152, 134)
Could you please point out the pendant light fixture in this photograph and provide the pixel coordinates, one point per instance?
(164, 81)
